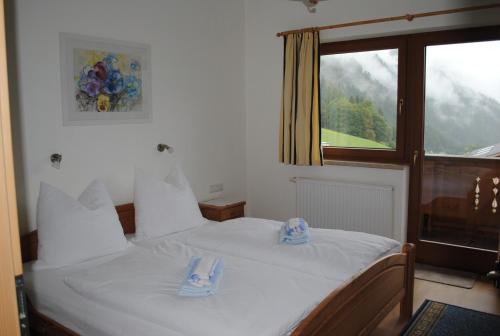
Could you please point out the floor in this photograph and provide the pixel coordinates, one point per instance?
(483, 297)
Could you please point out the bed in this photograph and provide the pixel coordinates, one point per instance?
(344, 284)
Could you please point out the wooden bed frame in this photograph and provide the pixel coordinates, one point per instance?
(356, 308)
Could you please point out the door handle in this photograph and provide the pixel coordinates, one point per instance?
(400, 106)
(415, 157)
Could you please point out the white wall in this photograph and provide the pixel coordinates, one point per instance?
(198, 97)
(216, 94)
(269, 192)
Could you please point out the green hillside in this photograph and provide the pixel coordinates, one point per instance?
(337, 139)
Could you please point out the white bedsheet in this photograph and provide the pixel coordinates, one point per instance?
(253, 299)
(53, 298)
(335, 254)
(135, 294)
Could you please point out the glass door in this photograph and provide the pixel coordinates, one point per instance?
(459, 216)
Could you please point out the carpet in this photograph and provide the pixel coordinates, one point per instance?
(440, 319)
(445, 276)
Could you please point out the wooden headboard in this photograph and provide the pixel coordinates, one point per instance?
(29, 242)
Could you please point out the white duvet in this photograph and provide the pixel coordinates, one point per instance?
(253, 298)
(266, 288)
(334, 254)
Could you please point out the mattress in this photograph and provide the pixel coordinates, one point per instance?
(267, 288)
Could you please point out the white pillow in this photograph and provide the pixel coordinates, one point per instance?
(71, 231)
(163, 207)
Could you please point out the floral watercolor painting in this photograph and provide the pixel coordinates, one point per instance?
(101, 76)
(106, 81)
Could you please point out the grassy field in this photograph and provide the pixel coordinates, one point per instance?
(337, 139)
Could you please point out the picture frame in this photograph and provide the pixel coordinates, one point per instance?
(104, 81)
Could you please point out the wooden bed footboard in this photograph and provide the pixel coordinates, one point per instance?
(356, 308)
(41, 325)
(360, 305)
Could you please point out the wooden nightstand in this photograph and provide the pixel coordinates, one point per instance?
(220, 209)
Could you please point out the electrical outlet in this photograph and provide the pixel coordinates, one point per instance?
(216, 188)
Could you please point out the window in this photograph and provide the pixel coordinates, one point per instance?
(462, 99)
(359, 96)
(373, 108)
(361, 99)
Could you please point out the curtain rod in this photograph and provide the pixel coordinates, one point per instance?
(408, 17)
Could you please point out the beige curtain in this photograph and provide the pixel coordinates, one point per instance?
(300, 123)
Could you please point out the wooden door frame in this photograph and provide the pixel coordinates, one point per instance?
(10, 255)
(439, 254)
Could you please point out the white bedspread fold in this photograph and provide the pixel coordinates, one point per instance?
(334, 254)
(253, 297)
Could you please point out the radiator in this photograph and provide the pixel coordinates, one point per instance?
(346, 206)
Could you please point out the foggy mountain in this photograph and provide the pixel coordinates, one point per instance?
(459, 119)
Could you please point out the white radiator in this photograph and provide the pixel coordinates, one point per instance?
(346, 206)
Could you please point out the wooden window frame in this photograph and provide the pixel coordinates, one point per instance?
(411, 135)
(396, 155)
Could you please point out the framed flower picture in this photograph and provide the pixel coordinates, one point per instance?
(104, 81)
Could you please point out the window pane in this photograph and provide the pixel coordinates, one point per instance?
(462, 100)
(359, 99)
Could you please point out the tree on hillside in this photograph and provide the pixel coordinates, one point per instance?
(353, 115)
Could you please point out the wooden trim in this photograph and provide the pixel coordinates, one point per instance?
(126, 214)
(221, 213)
(391, 156)
(416, 57)
(405, 17)
(383, 285)
(44, 326)
(6, 134)
(407, 303)
(378, 165)
(221, 207)
(363, 155)
(367, 44)
(457, 257)
(463, 159)
(10, 257)
(29, 246)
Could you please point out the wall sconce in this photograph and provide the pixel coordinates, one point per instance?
(162, 147)
(55, 160)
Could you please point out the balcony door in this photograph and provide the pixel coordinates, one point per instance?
(455, 179)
